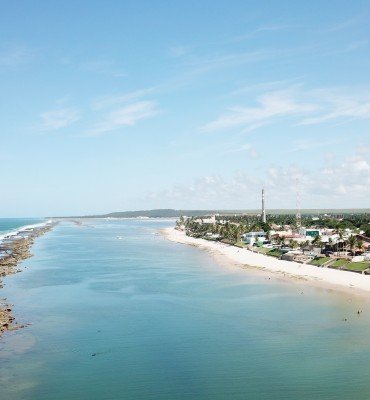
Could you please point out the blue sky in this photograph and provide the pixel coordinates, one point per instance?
(124, 105)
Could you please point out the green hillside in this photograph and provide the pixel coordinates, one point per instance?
(172, 213)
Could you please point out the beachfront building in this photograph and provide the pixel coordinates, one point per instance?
(365, 240)
(309, 233)
(254, 237)
(209, 220)
(298, 256)
(213, 236)
(281, 233)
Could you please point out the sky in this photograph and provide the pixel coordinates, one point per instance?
(128, 105)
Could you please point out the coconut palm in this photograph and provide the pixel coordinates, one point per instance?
(352, 241)
(360, 245)
(318, 242)
(303, 245)
(340, 233)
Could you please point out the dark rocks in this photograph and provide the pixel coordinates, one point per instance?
(15, 251)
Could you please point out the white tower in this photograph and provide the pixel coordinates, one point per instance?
(298, 205)
(263, 207)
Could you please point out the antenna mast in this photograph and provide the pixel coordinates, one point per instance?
(298, 204)
(263, 207)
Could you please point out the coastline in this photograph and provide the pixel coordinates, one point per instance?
(14, 248)
(346, 281)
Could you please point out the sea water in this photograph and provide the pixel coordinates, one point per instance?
(118, 312)
(11, 224)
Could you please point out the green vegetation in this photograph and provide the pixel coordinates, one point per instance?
(357, 266)
(339, 263)
(263, 250)
(275, 253)
(159, 213)
(351, 217)
(230, 228)
(320, 261)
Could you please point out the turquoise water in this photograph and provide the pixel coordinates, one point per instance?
(144, 318)
(10, 224)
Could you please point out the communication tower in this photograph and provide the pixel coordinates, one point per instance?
(298, 204)
(263, 207)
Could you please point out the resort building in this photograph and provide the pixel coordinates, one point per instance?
(365, 240)
(210, 220)
(254, 237)
(309, 233)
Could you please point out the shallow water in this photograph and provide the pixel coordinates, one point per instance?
(139, 317)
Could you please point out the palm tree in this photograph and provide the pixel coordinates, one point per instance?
(318, 242)
(340, 236)
(360, 245)
(303, 245)
(227, 230)
(237, 233)
(352, 241)
(330, 243)
(232, 232)
(223, 231)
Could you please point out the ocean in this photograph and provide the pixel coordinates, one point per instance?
(118, 312)
(10, 224)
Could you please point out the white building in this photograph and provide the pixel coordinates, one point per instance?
(210, 220)
(309, 233)
(254, 237)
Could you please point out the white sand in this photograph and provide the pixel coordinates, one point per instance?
(244, 257)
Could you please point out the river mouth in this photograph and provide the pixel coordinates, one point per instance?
(116, 311)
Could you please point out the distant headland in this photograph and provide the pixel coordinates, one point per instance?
(174, 213)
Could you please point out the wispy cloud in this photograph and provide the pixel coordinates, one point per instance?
(307, 144)
(337, 106)
(264, 29)
(212, 62)
(119, 99)
(106, 67)
(110, 112)
(125, 116)
(359, 44)
(302, 107)
(268, 86)
(16, 55)
(245, 148)
(58, 119)
(179, 50)
(270, 106)
(343, 25)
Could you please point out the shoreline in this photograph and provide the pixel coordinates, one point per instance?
(14, 248)
(344, 281)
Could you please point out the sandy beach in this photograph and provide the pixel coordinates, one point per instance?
(317, 276)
